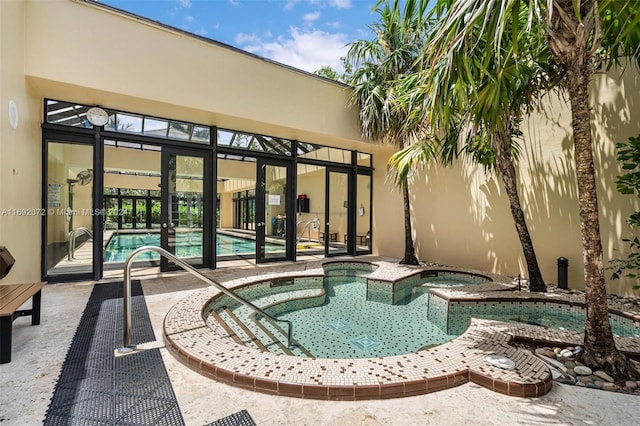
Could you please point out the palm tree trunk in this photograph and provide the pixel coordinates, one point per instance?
(508, 172)
(600, 347)
(409, 251)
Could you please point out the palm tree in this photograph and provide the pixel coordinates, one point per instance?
(377, 66)
(581, 36)
(487, 97)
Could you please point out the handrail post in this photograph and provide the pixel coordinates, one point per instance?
(71, 247)
(126, 304)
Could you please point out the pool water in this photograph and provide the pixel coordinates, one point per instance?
(356, 319)
(188, 244)
(348, 325)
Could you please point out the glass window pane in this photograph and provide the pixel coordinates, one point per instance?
(201, 134)
(364, 159)
(323, 153)
(310, 224)
(337, 228)
(181, 131)
(363, 217)
(67, 114)
(71, 114)
(252, 142)
(128, 123)
(275, 202)
(140, 220)
(69, 239)
(111, 208)
(185, 190)
(155, 127)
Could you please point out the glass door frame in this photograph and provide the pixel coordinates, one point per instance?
(351, 218)
(87, 138)
(289, 196)
(208, 213)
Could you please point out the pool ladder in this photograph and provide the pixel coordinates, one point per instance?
(306, 227)
(71, 248)
(127, 346)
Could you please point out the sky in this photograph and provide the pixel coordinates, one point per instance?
(305, 34)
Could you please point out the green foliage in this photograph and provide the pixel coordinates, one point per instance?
(328, 72)
(629, 157)
(628, 183)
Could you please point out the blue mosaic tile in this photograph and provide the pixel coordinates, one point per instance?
(338, 325)
(365, 343)
(349, 316)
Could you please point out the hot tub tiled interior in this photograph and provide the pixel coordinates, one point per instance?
(209, 347)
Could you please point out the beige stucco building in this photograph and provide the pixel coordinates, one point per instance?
(176, 102)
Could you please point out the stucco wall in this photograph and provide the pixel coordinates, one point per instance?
(93, 55)
(462, 215)
(20, 151)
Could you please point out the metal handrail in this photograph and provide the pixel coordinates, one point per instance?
(72, 240)
(127, 346)
(306, 226)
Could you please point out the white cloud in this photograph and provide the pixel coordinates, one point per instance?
(186, 4)
(306, 50)
(310, 17)
(290, 4)
(340, 4)
(334, 24)
(246, 39)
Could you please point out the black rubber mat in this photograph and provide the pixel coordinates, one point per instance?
(97, 388)
(241, 418)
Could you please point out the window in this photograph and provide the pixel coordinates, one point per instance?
(71, 114)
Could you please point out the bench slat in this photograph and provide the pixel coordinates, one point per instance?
(13, 296)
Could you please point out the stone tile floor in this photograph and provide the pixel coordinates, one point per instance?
(27, 382)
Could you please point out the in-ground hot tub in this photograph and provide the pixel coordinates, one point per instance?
(197, 334)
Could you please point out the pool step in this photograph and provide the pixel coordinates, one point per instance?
(242, 323)
(240, 330)
(264, 328)
(226, 327)
(254, 334)
(297, 347)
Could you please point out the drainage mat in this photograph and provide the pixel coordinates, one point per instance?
(97, 388)
(241, 418)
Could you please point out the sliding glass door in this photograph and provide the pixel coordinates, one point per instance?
(274, 214)
(337, 226)
(69, 211)
(186, 200)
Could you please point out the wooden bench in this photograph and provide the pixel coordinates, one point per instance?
(13, 296)
(333, 236)
(361, 239)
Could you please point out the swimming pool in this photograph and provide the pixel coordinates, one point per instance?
(349, 316)
(208, 334)
(345, 316)
(188, 244)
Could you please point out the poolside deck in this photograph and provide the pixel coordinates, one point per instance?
(39, 353)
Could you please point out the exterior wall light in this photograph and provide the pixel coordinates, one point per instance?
(13, 114)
